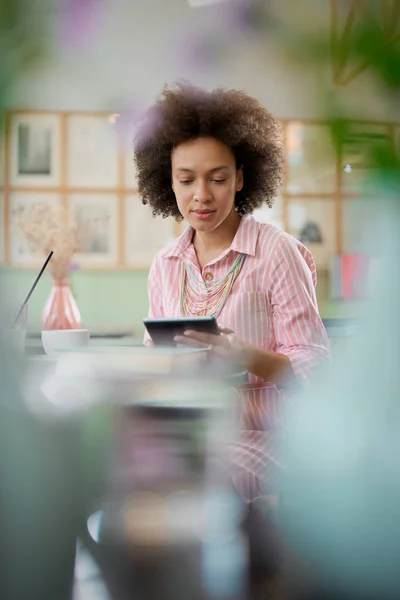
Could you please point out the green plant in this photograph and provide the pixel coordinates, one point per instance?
(23, 42)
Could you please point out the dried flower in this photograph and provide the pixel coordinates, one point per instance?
(50, 228)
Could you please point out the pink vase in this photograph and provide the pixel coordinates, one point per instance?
(61, 310)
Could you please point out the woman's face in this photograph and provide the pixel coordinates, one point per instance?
(205, 181)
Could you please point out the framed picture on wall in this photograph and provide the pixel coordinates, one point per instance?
(130, 181)
(96, 218)
(145, 234)
(34, 150)
(21, 207)
(126, 133)
(93, 152)
(312, 222)
(310, 159)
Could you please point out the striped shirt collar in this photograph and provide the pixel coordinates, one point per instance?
(245, 240)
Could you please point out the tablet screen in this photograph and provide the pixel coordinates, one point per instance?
(163, 331)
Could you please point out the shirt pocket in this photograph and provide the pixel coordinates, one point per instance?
(249, 316)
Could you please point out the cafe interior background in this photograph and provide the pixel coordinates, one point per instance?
(91, 68)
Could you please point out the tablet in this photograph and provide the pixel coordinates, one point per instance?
(163, 331)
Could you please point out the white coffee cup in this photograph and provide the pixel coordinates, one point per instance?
(64, 339)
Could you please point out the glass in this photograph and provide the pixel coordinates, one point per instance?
(13, 326)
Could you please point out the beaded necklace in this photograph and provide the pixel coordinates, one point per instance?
(198, 297)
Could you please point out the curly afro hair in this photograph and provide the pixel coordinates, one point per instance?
(184, 112)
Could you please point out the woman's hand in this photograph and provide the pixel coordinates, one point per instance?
(269, 366)
(226, 344)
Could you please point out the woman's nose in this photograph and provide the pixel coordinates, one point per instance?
(203, 193)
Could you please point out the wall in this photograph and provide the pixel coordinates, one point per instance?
(132, 48)
(137, 46)
(112, 299)
(109, 299)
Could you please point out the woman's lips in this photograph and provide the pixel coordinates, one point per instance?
(204, 215)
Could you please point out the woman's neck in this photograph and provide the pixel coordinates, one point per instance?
(209, 244)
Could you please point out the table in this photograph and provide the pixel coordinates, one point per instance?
(112, 337)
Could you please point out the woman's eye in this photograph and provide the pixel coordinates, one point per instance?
(186, 182)
(219, 180)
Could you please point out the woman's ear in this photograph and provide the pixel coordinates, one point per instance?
(239, 179)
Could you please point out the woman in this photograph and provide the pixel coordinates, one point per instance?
(213, 158)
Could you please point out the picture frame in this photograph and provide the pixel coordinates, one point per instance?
(34, 150)
(130, 178)
(96, 217)
(87, 167)
(20, 253)
(145, 235)
(312, 222)
(126, 127)
(310, 159)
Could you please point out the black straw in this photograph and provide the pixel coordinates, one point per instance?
(29, 294)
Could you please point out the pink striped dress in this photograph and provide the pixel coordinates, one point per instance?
(273, 306)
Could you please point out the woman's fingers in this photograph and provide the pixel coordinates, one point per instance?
(222, 344)
(208, 339)
(225, 330)
(188, 342)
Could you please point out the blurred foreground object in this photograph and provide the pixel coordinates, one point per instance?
(365, 34)
(40, 493)
(342, 485)
(162, 498)
(23, 40)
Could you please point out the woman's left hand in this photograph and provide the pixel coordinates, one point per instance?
(226, 344)
(265, 364)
